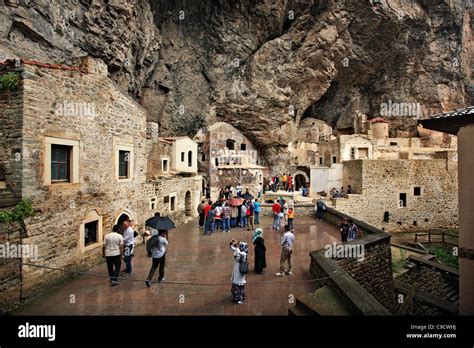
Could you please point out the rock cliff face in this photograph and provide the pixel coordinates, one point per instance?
(262, 66)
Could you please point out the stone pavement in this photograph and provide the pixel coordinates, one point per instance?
(194, 258)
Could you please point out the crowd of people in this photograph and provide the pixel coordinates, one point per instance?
(335, 193)
(241, 211)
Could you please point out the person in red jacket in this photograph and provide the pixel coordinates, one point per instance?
(276, 209)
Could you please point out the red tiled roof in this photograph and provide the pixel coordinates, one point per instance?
(377, 120)
(44, 65)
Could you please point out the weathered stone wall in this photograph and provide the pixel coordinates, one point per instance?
(10, 268)
(11, 108)
(109, 119)
(374, 272)
(382, 182)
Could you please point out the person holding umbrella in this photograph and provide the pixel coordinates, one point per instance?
(158, 245)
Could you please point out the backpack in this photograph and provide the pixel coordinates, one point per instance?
(243, 266)
(150, 244)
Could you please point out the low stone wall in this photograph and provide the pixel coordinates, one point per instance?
(366, 285)
(10, 268)
(303, 209)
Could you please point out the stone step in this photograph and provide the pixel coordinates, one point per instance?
(8, 199)
(324, 301)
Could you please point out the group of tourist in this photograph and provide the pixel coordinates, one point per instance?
(118, 245)
(283, 182)
(228, 213)
(335, 193)
(283, 214)
(240, 253)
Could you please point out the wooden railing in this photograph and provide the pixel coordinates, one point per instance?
(443, 236)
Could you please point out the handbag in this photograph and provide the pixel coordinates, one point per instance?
(244, 266)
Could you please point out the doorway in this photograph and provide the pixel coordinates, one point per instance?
(188, 205)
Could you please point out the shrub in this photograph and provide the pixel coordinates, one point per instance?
(10, 81)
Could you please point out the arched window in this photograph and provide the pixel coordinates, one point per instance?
(190, 159)
(230, 144)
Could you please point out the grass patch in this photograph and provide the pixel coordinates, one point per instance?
(445, 256)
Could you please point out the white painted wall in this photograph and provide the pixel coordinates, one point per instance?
(185, 145)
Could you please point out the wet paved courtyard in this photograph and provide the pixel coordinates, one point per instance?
(204, 261)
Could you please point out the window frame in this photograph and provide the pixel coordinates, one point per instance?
(68, 163)
(74, 154)
(130, 173)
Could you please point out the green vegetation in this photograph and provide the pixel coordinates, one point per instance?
(445, 256)
(10, 81)
(400, 263)
(21, 211)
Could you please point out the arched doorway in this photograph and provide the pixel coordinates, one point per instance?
(123, 216)
(300, 181)
(188, 205)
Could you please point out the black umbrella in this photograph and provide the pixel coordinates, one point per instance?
(247, 196)
(160, 223)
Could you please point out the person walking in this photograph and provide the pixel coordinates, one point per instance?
(128, 242)
(256, 211)
(260, 250)
(250, 214)
(352, 231)
(320, 209)
(112, 250)
(344, 230)
(226, 218)
(200, 210)
(287, 242)
(243, 215)
(290, 183)
(291, 217)
(284, 181)
(240, 253)
(276, 210)
(158, 254)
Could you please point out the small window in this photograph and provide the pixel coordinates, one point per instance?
(90, 232)
(353, 152)
(152, 203)
(217, 162)
(164, 166)
(203, 157)
(320, 161)
(60, 163)
(392, 143)
(190, 159)
(173, 203)
(166, 200)
(182, 156)
(230, 144)
(243, 147)
(402, 200)
(417, 191)
(124, 160)
(334, 159)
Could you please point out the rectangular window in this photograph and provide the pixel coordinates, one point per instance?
(217, 162)
(334, 159)
(203, 157)
(164, 166)
(243, 147)
(152, 203)
(166, 200)
(417, 191)
(124, 160)
(60, 163)
(173, 203)
(320, 161)
(182, 156)
(90, 232)
(402, 200)
(230, 144)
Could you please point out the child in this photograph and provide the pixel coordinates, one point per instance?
(291, 216)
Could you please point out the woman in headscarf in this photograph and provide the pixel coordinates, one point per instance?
(259, 242)
(238, 279)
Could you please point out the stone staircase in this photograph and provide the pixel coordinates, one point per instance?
(7, 199)
(324, 301)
